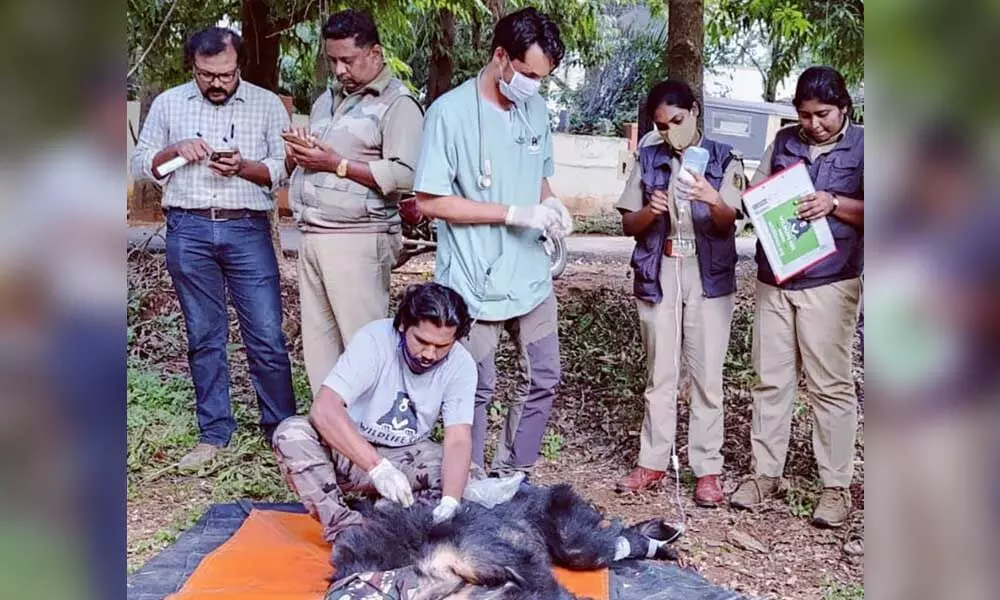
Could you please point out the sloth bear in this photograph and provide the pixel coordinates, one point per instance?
(509, 549)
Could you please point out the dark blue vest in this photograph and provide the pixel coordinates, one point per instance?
(716, 249)
(839, 171)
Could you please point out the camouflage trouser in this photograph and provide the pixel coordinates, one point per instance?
(407, 584)
(320, 475)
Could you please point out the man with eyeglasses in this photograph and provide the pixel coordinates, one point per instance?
(348, 172)
(228, 134)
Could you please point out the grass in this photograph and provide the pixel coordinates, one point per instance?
(606, 221)
(162, 428)
(800, 503)
(552, 443)
(843, 591)
(164, 536)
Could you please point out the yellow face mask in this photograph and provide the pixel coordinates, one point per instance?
(682, 135)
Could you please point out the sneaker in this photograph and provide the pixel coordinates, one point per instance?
(754, 491)
(833, 507)
(639, 479)
(708, 492)
(201, 454)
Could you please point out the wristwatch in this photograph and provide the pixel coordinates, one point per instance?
(836, 203)
(342, 168)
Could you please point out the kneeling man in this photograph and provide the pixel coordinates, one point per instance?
(368, 428)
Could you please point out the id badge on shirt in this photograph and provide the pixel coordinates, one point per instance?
(534, 146)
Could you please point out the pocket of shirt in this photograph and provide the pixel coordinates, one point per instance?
(339, 199)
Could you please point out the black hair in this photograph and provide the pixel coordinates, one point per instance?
(824, 84)
(212, 41)
(352, 23)
(436, 303)
(670, 92)
(520, 30)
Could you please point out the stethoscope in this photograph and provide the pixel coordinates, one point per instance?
(485, 179)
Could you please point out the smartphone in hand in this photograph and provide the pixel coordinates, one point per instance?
(292, 138)
(225, 153)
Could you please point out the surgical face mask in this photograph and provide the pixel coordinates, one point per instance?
(520, 88)
(683, 134)
(415, 364)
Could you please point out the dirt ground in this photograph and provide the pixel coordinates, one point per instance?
(771, 553)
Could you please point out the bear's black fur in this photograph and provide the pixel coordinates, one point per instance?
(511, 546)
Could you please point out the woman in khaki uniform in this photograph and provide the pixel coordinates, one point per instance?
(685, 276)
(808, 321)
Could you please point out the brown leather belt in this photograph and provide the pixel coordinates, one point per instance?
(223, 214)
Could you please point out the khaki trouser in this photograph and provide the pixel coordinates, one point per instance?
(536, 336)
(320, 475)
(343, 286)
(689, 325)
(812, 328)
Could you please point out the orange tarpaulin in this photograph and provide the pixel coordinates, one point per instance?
(282, 556)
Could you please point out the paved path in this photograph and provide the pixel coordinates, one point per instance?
(579, 245)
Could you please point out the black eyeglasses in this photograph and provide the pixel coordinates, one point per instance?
(209, 77)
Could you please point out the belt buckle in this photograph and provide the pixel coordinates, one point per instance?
(212, 217)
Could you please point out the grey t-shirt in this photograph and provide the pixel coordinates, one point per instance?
(392, 405)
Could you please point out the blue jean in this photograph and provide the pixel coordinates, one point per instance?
(205, 258)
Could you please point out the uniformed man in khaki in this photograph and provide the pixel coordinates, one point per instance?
(685, 279)
(364, 140)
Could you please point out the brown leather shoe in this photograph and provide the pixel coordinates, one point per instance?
(708, 491)
(638, 480)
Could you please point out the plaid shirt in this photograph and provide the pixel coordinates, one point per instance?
(251, 121)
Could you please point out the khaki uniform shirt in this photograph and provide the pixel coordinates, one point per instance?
(385, 137)
(733, 184)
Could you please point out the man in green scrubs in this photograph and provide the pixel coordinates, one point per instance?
(484, 164)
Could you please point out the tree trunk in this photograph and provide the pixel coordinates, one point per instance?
(498, 8)
(321, 74)
(770, 86)
(146, 193)
(262, 44)
(686, 46)
(441, 67)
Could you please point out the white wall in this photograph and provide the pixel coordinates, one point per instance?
(589, 171)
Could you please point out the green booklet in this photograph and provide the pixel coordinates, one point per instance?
(790, 243)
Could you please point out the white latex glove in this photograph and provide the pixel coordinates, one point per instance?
(565, 220)
(533, 216)
(683, 186)
(391, 483)
(445, 509)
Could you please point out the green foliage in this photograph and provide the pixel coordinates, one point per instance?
(297, 66)
(839, 37)
(163, 66)
(552, 443)
(633, 61)
(579, 25)
(801, 496)
(161, 429)
(843, 591)
(603, 222)
(407, 30)
(799, 504)
(778, 36)
(160, 421)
